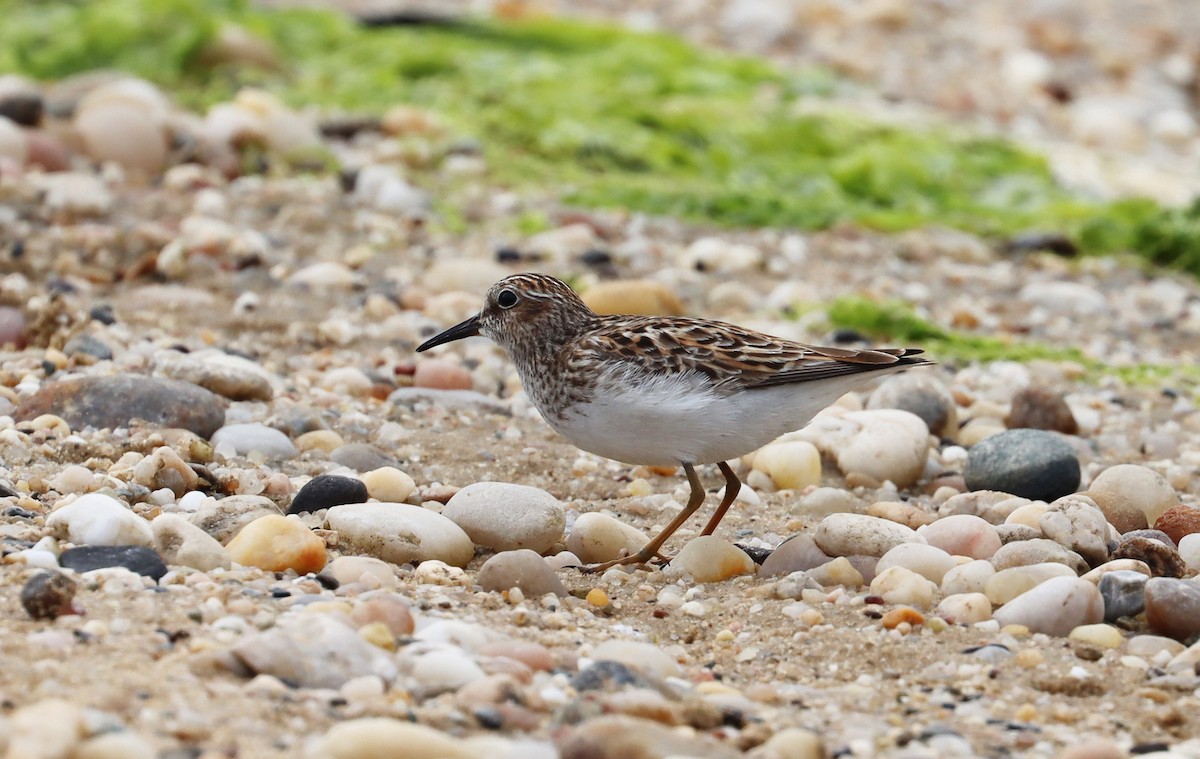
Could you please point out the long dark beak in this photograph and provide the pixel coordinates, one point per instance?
(469, 328)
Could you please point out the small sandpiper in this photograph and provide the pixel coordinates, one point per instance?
(663, 391)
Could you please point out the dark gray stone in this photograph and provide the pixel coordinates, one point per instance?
(48, 595)
(145, 561)
(118, 400)
(1124, 594)
(1032, 464)
(327, 490)
(362, 457)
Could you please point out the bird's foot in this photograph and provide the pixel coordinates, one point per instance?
(641, 558)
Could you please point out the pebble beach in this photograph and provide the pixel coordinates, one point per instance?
(239, 516)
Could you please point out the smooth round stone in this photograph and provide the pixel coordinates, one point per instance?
(440, 374)
(99, 520)
(890, 445)
(598, 537)
(1132, 497)
(851, 534)
(1124, 594)
(794, 585)
(181, 543)
(380, 737)
(643, 657)
(1163, 560)
(1078, 524)
(326, 490)
(1189, 551)
(1173, 607)
(522, 568)
(962, 535)
(971, 577)
(13, 330)
(361, 570)
(790, 743)
(930, 562)
(533, 655)
(1149, 646)
(313, 650)
(382, 607)
(965, 608)
(73, 479)
(138, 559)
(922, 394)
(276, 543)
(48, 595)
(1028, 463)
(901, 513)
(444, 670)
(1007, 584)
(1040, 409)
(49, 727)
(244, 439)
(505, 517)
(791, 465)
(361, 457)
(319, 440)
(400, 533)
(115, 401)
(119, 745)
(123, 130)
(822, 502)
(389, 484)
(645, 297)
(898, 585)
(991, 506)
(1030, 515)
(1117, 565)
(232, 377)
(795, 554)
(835, 572)
(1099, 635)
(1157, 535)
(222, 519)
(712, 559)
(1093, 748)
(1055, 607)
(1179, 521)
(624, 737)
(1038, 551)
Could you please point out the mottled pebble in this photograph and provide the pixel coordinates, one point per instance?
(400, 533)
(1179, 521)
(522, 568)
(222, 519)
(136, 558)
(791, 465)
(712, 559)
(848, 534)
(277, 543)
(115, 401)
(922, 394)
(1149, 646)
(929, 561)
(232, 377)
(1124, 594)
(1040, 408)
(1007, 584)
(1055, 607)
(885, 445)
(795, 554)
(971, 577)
(48, 595)
(313, 651)
(1027, 463)
(1132, 496)
(965, 608)
(898, 585)
(383, 608)
(1117, 565)
(598, 537)
(389, 484)
(1163, 560)
(244, 439)
(962, 535)
(1078, 524)
(622, 737)
(644, 657)
(363, 570)
(362, 457)
(821, 502)
(1173, 607)
(327, 490)
(379, 737)
(505, 517)
(101, 520)
(1038, 551)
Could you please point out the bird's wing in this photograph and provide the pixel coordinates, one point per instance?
(732, 357)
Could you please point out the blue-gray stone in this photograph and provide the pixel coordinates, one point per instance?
(139, 559)
(1124, 594)
(1032, 464)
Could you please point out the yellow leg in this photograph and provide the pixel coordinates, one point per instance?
(650, 550)
(732, 486)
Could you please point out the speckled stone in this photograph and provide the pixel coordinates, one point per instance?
(1163, 560)
(115, 401)
(1124, 594)
(1028, 463)
(524, 569)
(140, 559)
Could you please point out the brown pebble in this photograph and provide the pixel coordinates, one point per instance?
(1163, 560)
(1088, 653)
(1178, 521)
(894, 617)
(387, 608)
(1041, 409)
(441, 375)
(48, 595)
(533, 655)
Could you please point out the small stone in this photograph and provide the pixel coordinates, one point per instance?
(232, 377)
(1055, 607)
(859, 534)
(1179, 521)
(991, 506)
(276, 543)
(712, 559)
(962, 535)
(882, 444)
(524, 569)
(318, 440)
(115, 401)
(971, 577)
(922, 394)
(244, 439)
(1124, 594)
(13, 329)
(1189, 551)
(1117, 565)
(795, 554)
(444, 670)
(790, 743)
(893, 618)
(383, 608)
(965, 608)
(181, 543)
(99, 520)
(1018, 533)
(1173, 607)
(930, 562)
(505, 517)
(1040, 409)
(362, 570)
(821, 502)
(119, 745)
(1099, 635)
(1038, 551)
(313, 651)
(440, 374)
(898, 585)
(622, 737)
(1149, 646)
(48, 595)
(643, 657)
(400, 533)
(88, 346)
(1007, 584)
(1078, 524)
(1028, 463)
(362, 457)
(794, 585)
(224, 518)
(598, 537)
(389, 484)
(139, 559)
(1093, 748)
(533, 655)
(326, 490)
(379, 737)
(1163, 560)
(128, 130)
(792, 465)
(645, 297)
(607, 675)
(835, 572)
(1132, 496)
(598, 598)
(27, 731)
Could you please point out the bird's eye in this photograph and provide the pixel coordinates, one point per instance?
(506, 299)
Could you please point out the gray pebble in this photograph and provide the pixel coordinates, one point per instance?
(523, 569)
(1029, 463)
(1124, 594)
(48, 595)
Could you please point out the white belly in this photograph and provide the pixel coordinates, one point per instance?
(678, 419)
